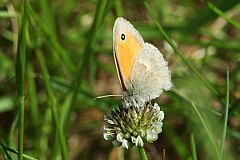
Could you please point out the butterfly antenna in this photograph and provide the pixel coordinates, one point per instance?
(111, 95)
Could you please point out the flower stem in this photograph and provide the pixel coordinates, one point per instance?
(142, 153)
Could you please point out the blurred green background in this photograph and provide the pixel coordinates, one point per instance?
(66, 52)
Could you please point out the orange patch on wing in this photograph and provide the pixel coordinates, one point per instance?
(127, 52)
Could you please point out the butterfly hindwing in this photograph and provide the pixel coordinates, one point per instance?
(150, 74)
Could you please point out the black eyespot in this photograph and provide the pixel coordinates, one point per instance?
(123, 37)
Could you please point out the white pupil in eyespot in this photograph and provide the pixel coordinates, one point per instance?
(123, 37)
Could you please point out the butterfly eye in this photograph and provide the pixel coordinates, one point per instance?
(123, 37)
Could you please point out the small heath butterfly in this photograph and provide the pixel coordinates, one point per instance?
(142, 71)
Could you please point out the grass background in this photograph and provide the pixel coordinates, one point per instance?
(56, 57)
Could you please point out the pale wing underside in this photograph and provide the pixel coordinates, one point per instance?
(150, 75)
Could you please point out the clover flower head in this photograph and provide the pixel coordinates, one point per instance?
(133, 125)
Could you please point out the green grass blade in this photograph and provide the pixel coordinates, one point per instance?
(118, 6)
(225, 116)
(207, 15)
(20, 74)
(7, 149)
(188, 101)
(178, 52)
(179, 146)
(193, 147)
(233, 133)
(3, 84)
(85, 61)
(53, 104)
(21, 128)
(209, 132)
(21, 52)
(46, 130)
(34, 111)
(4, 14)
(11, 136)
(52, 42)
(33, 101)
(224, 16)
(48, 18)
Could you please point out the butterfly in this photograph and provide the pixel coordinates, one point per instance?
(142, 71)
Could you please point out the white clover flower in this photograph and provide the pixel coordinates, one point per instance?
(139, 141)
(158, 127)
(125, 144)
(119, 137)
(133, 125)
(151, 135)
